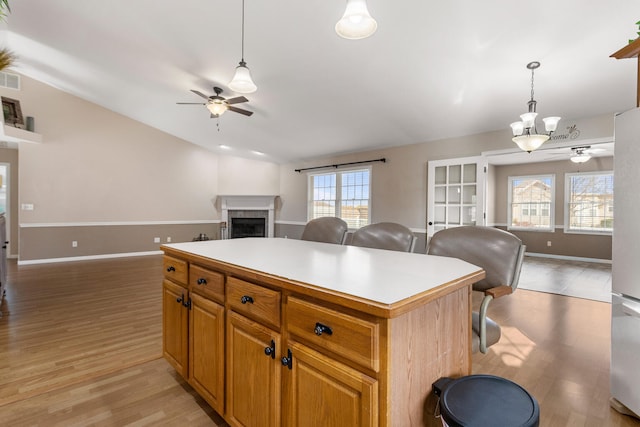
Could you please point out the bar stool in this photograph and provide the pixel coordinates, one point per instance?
(484, 401)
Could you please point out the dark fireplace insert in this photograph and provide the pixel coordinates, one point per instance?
(248, 227)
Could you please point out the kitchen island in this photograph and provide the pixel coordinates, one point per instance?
(277, 332)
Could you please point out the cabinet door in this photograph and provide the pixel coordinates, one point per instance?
(175, 315)
(253, 376)
(322, 392)
(206, 350)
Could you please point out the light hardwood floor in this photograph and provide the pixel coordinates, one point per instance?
(80, 345)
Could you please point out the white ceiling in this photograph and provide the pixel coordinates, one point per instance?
(432, 70)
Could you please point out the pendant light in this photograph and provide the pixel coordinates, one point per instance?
(356, 23)
(242, 82)
(525, 134)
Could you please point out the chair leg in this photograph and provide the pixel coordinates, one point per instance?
(483, 322)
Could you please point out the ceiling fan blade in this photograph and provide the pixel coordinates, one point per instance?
(200, 94)
(191, 103)
(239, 110)
(237, 100)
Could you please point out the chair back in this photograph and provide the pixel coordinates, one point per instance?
(384, 235)
(498, 252)
(326, 229)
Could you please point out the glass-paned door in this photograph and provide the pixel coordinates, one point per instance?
(455, 193)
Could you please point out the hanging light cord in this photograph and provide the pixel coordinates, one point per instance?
(532, 70)
(242, 60)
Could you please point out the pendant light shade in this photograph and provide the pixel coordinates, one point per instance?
(242, 81)
(356, 23)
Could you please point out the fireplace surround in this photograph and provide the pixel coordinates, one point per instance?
(249, 209)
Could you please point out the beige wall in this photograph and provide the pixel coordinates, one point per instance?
(566, 244)
(99, 169)
(114, 184)
(399, 186)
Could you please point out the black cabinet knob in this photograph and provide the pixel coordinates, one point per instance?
(202, 281)
(430, 223)
(287, 361)
(322, 329)
(246, 299)
(271, 350)
(171, 268)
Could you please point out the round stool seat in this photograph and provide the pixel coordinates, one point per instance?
(485, 401)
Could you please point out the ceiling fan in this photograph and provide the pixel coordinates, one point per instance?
(579, 154)
(217, 104)
(582, 154)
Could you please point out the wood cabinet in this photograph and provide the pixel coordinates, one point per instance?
(206, 350)
(175, 324)
(322, 392)
(254, 373)
(279, 348)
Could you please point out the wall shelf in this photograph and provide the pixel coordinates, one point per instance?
(632, 50)
(14, 134)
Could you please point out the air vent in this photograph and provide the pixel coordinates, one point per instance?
(9, 80)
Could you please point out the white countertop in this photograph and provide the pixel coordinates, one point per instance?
(378, 275)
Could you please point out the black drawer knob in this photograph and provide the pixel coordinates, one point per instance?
(246, 299)
(202, 281)
(171, 268)
(322, 329)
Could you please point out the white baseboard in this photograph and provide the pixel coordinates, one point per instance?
(88, 257)
(568, 258)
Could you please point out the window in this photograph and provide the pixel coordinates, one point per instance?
(342, 194)
(589, 202)
(531, 202)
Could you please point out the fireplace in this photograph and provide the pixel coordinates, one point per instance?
(248, 216)
(247, 227)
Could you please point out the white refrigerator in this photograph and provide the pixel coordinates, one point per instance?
(625, 308)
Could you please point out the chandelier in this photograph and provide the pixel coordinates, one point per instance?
(525, 134)
(242, 82)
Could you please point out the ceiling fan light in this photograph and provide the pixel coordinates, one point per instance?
(517, 128)
(356, 23)
(580, 158)
(551, 123)
(217, 108)
(530, 143)
(242, 82)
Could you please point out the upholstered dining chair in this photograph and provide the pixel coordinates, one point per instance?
(500, 254)
(385, 235)
(326, 229)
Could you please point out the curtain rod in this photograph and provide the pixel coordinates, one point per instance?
(383, 160)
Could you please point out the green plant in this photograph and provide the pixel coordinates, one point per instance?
(6, 56)
(630, 41)
(4, 8)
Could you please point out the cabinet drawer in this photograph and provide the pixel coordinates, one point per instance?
(254, 301)
(175, 269)
(207, 283)
(344, 335)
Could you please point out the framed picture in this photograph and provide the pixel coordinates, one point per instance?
(12, 112)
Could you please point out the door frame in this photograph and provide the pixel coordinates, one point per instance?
(481, 164)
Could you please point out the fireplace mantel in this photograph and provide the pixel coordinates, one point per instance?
(250, 203)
